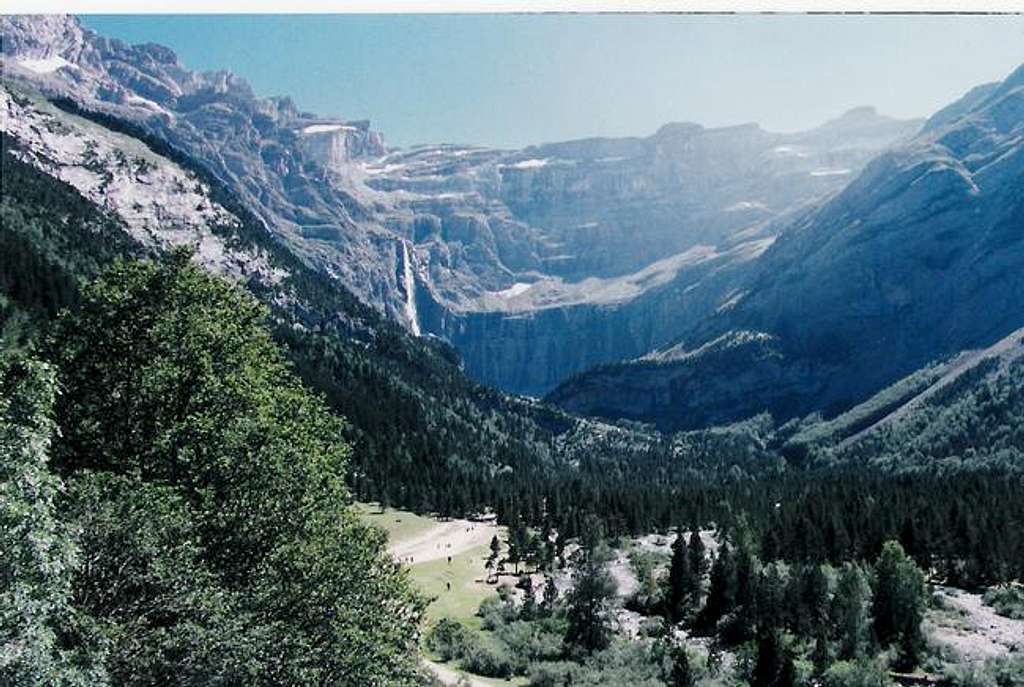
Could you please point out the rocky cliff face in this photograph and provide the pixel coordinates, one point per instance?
(277, 159)
(160, 204)
(920, 257)
(538, 264)
(535, 263)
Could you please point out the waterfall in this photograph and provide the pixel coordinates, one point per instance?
(409, 282)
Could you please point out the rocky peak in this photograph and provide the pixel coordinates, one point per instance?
(41, 36)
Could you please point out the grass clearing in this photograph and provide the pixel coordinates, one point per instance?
(455, 589)
(465, 573)
(400, 525)
(466, 576)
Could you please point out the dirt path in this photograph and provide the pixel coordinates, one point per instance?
(971, 628)
(444, 539)
(451, 677)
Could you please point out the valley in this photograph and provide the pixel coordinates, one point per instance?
(959, 625)
(281, 403)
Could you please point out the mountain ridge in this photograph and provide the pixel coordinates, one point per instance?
(472, 223)
(916, 259)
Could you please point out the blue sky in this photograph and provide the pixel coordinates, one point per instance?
(511, 80)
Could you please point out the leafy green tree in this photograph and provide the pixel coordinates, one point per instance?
(157, 605)
(448, 639)
(37, 620)
(899, 604)
(172, 381)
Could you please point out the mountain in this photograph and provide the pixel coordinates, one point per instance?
(738, 270)
(918, 258)
(507, 254)
(82, 189)
(963, 412)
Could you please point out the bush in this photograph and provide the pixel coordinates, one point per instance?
(448, 639)
(1007, 601)
(496, 611)
(487, 658)
(527, 641)
(551, 674)
(997, 672)
(653, 627)
(856, 674)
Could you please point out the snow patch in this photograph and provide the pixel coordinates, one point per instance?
(44, 65)
(788, 151)
(534, 163)
(746, 205)
(830, 172)
(386, 169)
(513, 291)
(731, 301)
(326, 128)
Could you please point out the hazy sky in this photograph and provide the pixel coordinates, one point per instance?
(511, 80)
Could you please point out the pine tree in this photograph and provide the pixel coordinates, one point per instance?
(850, 614)
(771, 592)
(682, 673)
(517, 544)
(698, 566)
(678, 581)
(774, 666)
(492, 560)
(721, 592)
(593, 588)
(899, 604)
(529, 609)
(550, 597)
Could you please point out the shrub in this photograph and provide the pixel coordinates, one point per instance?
(487, 658)
(856, 674)
(530, 641)
(1004, 671)
(447, 639)
(496, 612)
(1007, 601)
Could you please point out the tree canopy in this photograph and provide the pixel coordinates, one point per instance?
(208, 486)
